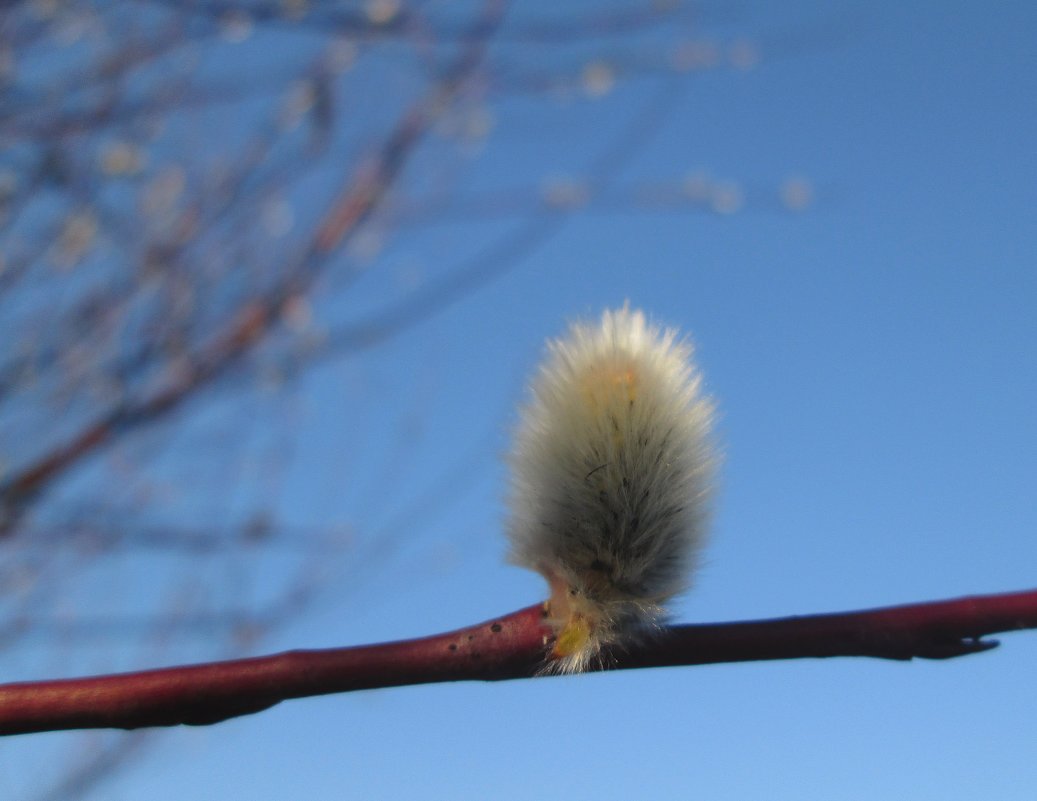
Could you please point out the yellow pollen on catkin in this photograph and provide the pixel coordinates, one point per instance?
(610, 383)
(573, 638)
(607, 387)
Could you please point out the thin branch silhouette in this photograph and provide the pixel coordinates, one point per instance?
(355, 204)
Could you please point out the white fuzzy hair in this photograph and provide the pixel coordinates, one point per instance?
(611, 471)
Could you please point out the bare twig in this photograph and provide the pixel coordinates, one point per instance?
(256, 319)
(508, 647)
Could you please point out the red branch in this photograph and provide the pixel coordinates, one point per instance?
(508, 647)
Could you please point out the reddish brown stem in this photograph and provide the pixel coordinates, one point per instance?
(509, 647)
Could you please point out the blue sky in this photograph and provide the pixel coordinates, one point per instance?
(873, 360)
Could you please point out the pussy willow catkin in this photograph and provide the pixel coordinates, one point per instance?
(611, 471)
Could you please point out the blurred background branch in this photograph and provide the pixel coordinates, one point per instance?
(198, 203)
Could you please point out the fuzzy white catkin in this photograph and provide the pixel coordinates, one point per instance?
(611, 471)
